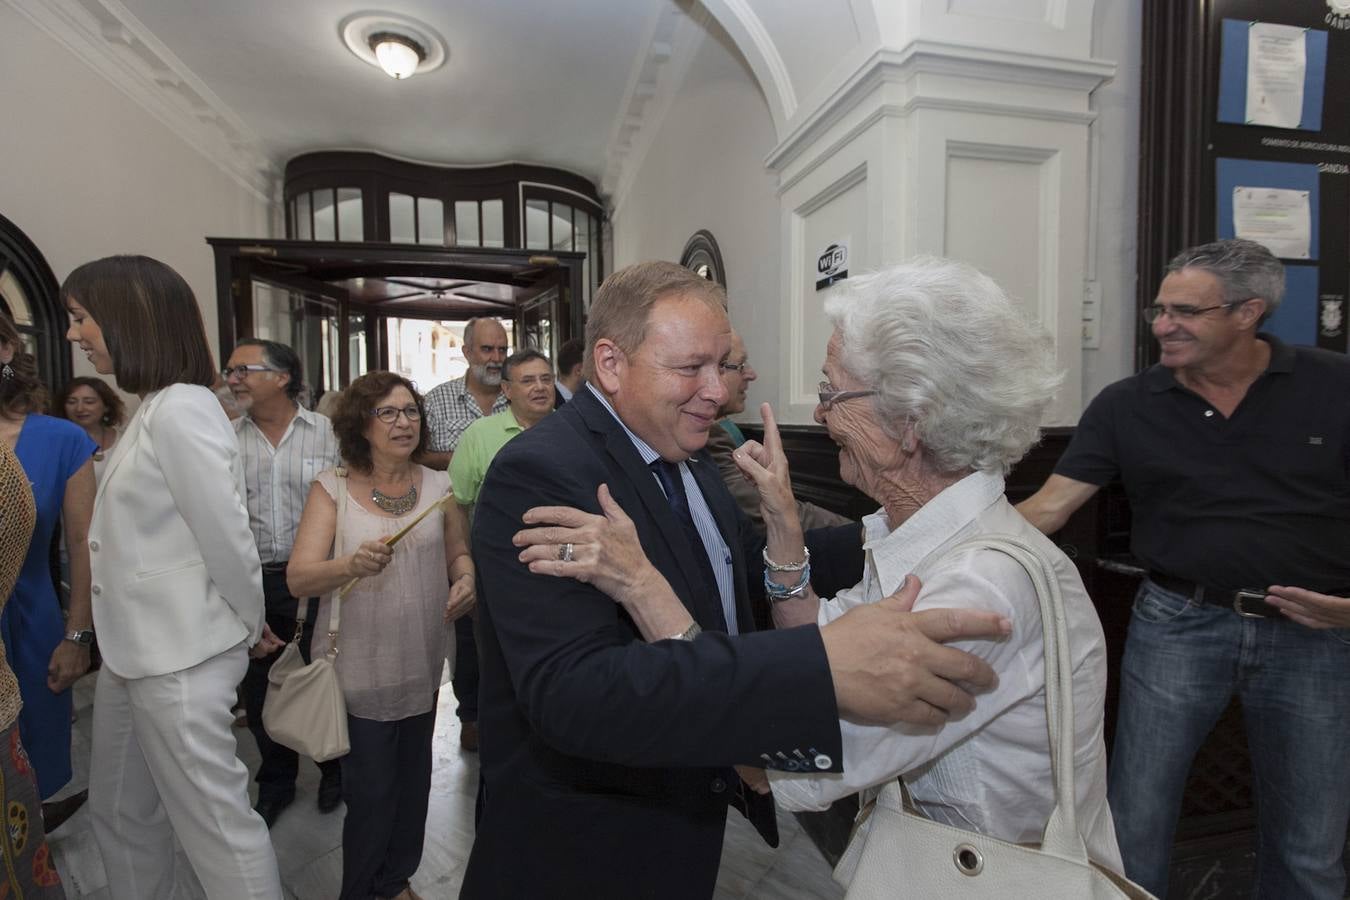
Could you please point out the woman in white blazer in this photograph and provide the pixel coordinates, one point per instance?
(177, 597)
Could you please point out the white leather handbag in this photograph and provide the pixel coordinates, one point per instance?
(898, 853)
(304, 708)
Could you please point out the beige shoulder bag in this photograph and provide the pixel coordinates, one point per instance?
(304, 708)
(899, 853)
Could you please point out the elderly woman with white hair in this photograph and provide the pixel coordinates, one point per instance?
(935, 386)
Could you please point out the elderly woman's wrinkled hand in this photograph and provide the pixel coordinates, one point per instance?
(766, 467)
(602, 550)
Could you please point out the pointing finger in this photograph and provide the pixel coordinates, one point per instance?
(772, 442)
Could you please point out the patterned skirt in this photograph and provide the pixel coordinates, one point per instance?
(28, 873)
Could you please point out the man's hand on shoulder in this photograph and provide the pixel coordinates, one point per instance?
(889, 665)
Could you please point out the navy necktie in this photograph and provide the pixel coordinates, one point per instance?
(672, 483)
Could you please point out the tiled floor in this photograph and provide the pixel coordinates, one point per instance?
(308, 844)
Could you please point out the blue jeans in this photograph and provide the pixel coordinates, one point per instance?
(1183, 662)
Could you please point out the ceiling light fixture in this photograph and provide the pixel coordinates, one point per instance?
(399, 56)
(398, 45)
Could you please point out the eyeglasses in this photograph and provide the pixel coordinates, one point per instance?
(242, 371)
(738, 368)
(1183, 312)
(389, 414)
(829, 396)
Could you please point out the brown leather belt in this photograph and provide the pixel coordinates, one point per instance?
(1248, 602)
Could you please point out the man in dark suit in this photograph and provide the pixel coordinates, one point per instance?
(607, 758)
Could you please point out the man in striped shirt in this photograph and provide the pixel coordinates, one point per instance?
(283, 446)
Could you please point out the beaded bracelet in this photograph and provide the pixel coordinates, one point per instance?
(778, 592)
(786, 567)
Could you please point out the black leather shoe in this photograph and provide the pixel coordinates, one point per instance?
(330, 791)
(270, 808)
(55, 812)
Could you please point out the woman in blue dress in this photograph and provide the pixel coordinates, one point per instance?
(46, 653)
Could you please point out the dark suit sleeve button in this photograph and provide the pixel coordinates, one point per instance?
(718, 786)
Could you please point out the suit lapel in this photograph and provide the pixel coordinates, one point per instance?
(707, 611)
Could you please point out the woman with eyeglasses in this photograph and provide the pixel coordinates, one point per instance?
(177, 599)
(394, 626)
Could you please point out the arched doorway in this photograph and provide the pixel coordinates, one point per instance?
(29, 295)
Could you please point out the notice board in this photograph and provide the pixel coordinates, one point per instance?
(1245, 132)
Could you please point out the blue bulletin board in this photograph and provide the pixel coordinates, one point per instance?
(1233, 173)
(1233, 75)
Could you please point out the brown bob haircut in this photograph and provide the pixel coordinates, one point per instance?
(23, 391)
(353, 414)
(114, 411)
(625, 300)
(150, 322)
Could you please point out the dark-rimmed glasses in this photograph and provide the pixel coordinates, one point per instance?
(389, 414)
(1182, 312)
(242, 371)
(829, 396)
(738, 368)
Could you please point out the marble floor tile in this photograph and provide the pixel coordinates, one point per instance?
(309, 843)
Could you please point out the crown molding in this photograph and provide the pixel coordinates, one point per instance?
(659, 70)
(107, 37)
(1074, 77)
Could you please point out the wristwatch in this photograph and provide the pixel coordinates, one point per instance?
(83, 638)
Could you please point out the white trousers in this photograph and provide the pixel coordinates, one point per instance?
(164, 765)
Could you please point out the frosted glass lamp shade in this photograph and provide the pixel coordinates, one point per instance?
(397, 55)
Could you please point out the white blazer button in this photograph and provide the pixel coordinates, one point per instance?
(822, 761)
(96, 590)
(93, 545)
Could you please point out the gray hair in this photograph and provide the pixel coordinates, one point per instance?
(1245, 269)
(944, 346)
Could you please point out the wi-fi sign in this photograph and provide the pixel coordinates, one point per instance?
(832, 265)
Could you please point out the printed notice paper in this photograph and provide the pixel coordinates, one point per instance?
(1277, 59)
(1278, 218)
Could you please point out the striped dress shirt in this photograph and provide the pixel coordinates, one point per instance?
(278, 478)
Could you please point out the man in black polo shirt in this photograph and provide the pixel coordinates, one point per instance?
(1234, 451)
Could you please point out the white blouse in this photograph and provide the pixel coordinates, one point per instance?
(988, 771)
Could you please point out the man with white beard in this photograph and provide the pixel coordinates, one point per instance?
(455, 405)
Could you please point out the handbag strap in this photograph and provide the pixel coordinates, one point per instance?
(1061, 831)
(335, 604)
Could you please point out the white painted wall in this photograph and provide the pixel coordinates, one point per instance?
(1116, 36)
(86, 172)
(705, 169)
